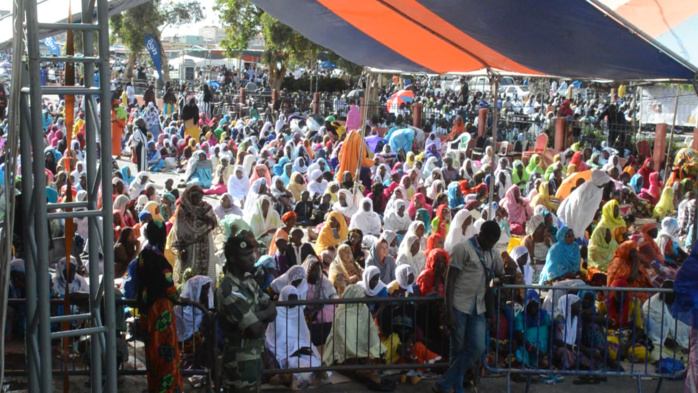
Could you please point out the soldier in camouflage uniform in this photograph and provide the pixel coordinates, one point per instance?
(245, 312)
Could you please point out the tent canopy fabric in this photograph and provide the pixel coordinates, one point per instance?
(673, 23)
(573, 39)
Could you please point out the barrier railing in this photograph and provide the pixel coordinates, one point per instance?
(409, 314)
(196, 351)
(578, 338)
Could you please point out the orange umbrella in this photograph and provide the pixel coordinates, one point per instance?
(570, 182)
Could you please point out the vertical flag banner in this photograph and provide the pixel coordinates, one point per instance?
(151, 45)
(53, 47)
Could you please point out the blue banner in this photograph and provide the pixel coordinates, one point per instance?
(151, 45)
(53, 47)
(328, 64)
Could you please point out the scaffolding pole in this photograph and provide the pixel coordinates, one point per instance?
(34, 207)
(494, 79)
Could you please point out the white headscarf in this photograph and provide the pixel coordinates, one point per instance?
(239, 188)
(412, 229)
(121, 203)
(390, 206)
(455, 232)
(429, 166)
(250, 202)
(289, 332)
(432, 193)
(576, 211)
(294, 273)
(188, 317)
(384, 178)
(466, 175)
(221, 212)
(405, 257)
(261, 224)
(369, 273)
(516, 253)
(280, 123)
(82, 223)
(315, 188)
(393, 221)
(136, 186)
(565, 306)
(402, 274)
(350, 209)
(669, 233)
(266, 128)
(299, 165)
(247, 164)
(367, 221)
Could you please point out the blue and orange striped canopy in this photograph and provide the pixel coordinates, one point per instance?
(567, 38)
(674, 23)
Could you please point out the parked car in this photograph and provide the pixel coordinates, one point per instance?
(482, 83)
(516, 91)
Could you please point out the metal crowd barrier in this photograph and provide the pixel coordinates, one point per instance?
(416, 309)
(196, 359)
(505, 351)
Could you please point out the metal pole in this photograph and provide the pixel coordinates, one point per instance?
(495, 80)
(671, 138)
(91, 119)
(39, 199)
(11, 167)
(695, 207)
(107, 220)
(361, 132)
(29, 255)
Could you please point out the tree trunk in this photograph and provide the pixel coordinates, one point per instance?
(276, 77)
(132, 57)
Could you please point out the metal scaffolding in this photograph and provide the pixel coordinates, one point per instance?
(100, 320)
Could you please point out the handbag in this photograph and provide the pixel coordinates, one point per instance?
(490, 308)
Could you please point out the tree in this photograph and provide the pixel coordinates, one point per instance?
(151, 17)
(283, 46)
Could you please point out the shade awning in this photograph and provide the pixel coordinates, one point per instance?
(673, 23)
(568, 38)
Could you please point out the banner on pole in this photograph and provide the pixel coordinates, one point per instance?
(53, 47)
(151, 45)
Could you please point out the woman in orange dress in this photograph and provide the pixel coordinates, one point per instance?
(626, 264)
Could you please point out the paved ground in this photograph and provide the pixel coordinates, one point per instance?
(614, 385)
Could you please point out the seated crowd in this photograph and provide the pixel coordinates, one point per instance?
(327, 215)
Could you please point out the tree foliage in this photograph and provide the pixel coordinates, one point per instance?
(283, 47)
(151, 17)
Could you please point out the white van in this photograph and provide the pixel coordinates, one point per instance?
(482, 83)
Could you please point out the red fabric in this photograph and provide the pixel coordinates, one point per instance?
(432, 239)
(645, 172)
(412, 210)
(578, 163)
(655, 187)
(465, 188)
(565, 109)
(427, 278)
(616, 315)
(441, 231)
